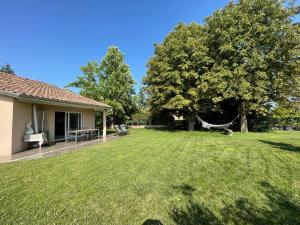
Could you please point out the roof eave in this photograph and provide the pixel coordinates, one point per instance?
(36, 100)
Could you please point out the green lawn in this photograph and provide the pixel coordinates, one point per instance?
(172, 177)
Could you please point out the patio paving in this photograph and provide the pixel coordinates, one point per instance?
(53, 150)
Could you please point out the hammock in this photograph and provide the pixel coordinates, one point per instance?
(221, 126)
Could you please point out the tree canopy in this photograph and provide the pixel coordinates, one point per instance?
(109, 81)
(7, 69)
(174, 71)
(255, 48)
(247, 52)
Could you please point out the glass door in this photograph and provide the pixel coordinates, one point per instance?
(73, 121)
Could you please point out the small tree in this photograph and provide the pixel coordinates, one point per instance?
(174, 71)
(110, 81)
(288, 113)
(142, 117)
(117, 84)
(7, 69)
(255, 47)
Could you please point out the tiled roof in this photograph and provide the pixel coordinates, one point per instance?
(23, 87)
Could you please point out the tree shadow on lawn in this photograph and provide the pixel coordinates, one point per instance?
(185, 189)
(193, 213)
(165, 129)
(279, 209)
(283, 146)
(175, 130)
(152, 222)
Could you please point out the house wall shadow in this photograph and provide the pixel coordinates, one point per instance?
(283, 146)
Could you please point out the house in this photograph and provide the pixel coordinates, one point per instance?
(49, 109)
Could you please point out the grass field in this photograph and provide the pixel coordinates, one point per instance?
(154, 177)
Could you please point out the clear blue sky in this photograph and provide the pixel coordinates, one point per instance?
(50, 40)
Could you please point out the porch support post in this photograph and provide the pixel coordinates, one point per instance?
(36, 129)
(104, 125)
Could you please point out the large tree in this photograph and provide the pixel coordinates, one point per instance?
(255, 48)
(174, 71)
(110, 81)
(7, 69)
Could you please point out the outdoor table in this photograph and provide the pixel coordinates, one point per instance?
(82, 131)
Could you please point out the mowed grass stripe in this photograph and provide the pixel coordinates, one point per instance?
(152, 174)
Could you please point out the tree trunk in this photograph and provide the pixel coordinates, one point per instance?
(191, 124)
(243, 118)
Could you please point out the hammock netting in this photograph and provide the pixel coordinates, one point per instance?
(217, 126)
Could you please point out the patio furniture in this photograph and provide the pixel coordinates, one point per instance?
(76, 137)
(81, 133)
(41, 138)
(93, 133)
(124, 129)
(119, 131)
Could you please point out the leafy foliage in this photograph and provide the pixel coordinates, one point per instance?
(110, 81)
(141, 117)
(288, 113)
(247, 52)
(7, 69)
(141, 99)
(255, 47)
(174, 71)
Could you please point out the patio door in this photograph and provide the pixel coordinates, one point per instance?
(73, 121)
(66, 121)
(60, 126)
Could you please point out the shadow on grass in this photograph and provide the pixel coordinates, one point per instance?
(185, 189)
(194, 214)
(279, 208)
(174, 130)
(166, 129)
(152, 222)
(283, 146)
